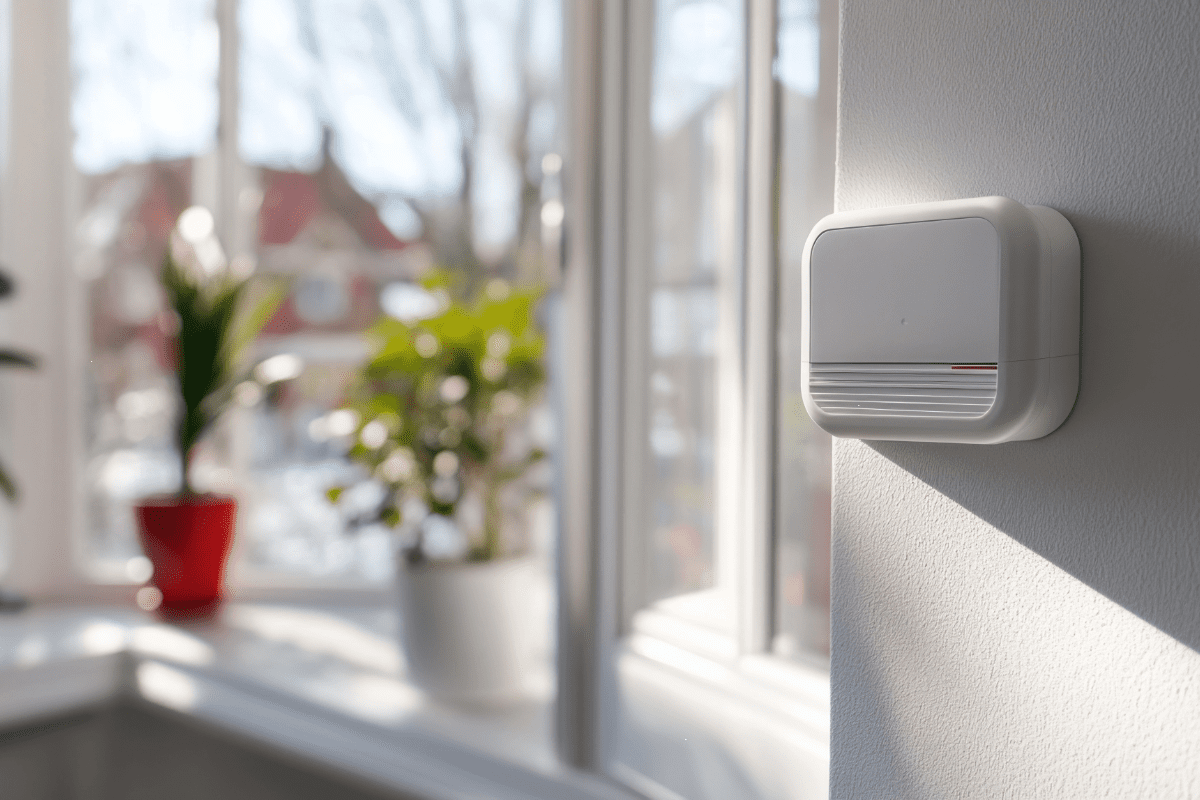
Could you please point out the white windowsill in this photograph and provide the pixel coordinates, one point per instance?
(319, 682)
(694, 695)
(773, 686)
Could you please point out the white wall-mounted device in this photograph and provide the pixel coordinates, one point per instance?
(942, 322)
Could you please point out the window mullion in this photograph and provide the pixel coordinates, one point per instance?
(590, 580)
(636, 267)
(757, 478)
(48, 313)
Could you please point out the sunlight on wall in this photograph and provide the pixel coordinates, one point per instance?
(973, 639)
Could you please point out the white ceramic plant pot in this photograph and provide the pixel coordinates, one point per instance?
(467, 629)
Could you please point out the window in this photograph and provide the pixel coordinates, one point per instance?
(682, 299)
(346, 145)
(144, 107)
(712, 582)
(361, 143)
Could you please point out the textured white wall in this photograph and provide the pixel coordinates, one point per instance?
(1023, 620)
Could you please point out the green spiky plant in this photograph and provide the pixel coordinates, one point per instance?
(440, 399)
(215, 324)
(11, 358)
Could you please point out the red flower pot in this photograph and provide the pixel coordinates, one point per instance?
(187, 539)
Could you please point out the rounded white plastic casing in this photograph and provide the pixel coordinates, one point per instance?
(942, 322)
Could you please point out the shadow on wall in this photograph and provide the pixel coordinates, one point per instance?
(864, 699)
(1113, 496)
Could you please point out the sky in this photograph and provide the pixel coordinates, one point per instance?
(376, 73)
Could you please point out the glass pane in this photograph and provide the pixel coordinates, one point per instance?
(145, 81)
(805, 72)
(387, 138)
(375, 140)
(693, 279)
(143, 105)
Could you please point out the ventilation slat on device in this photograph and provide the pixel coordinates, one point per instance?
(903, 390)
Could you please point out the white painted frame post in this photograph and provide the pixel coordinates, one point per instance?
(757, 487)
(49, 311)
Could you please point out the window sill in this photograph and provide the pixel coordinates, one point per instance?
(691, 696)
(676, 635)
(318, 682)
(788, 694)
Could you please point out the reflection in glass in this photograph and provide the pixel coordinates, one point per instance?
(805, 79)
(695, 96)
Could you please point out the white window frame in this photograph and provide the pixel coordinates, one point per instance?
(609, 77)
(48, 317)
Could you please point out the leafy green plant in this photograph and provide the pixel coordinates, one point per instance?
(214, 327)
(11, 358)
(441, 401)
